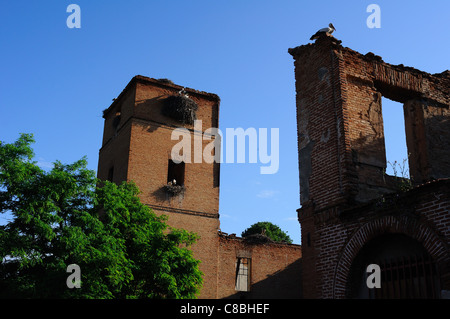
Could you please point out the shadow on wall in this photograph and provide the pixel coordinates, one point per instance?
(437, 126)
(284, 284)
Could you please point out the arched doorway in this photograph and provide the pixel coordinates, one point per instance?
(407, 269)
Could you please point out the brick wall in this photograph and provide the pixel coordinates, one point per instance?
(275, 269)
(138, 146)
(347, 199)
(340, 125)
(320, 141)
(422, 214)
(206, 248)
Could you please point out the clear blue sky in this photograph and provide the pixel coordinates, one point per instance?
(56, 81)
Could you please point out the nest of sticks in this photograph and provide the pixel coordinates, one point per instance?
(174, 189)
(181, 108)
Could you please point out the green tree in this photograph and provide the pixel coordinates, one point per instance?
(268, 229)
(67, 216)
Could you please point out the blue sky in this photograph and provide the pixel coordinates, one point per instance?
(56, 81)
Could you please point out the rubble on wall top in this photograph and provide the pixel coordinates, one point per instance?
(445, 74)
(373, 56)
(255, 239)
(370, 56)
(326, 38)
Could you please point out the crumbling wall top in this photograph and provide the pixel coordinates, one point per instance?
(415, 83)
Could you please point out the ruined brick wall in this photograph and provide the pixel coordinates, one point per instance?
(340, 125)
(421, 214)
(320, 138)
(338, 235)
(427, 130)
(275, 269)
(426, 109)
(342, 161)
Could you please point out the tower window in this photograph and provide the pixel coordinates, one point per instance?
(116, 121)
(242, 282)
(111, 174)
(176, 173)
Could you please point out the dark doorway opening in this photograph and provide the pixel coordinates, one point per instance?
(407, 270)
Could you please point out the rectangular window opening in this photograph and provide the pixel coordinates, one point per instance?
(397, 158)
(242, 282)
(216, 174)
(175, 173)
(111, 174)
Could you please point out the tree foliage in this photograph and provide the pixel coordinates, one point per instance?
(268, 229)
(67, 216)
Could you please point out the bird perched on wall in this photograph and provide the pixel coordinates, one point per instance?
(324, 31)
(183, 92)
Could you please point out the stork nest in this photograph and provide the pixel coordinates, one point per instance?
(180, 108)
(257, 239)
(164, 80)
(174, 189)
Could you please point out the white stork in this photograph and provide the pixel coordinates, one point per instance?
(323, 31)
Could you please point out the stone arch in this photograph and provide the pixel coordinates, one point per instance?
(385, 225)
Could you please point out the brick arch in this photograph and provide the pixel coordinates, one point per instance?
(386, 225)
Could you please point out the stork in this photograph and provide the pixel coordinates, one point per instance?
(324, 31)
(183, 92)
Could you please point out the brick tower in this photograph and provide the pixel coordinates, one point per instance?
(137, 147)
(350, 207)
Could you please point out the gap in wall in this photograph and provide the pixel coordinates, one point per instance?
(395, 138)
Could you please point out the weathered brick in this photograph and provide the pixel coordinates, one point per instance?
(347, 200)
(137, 144)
